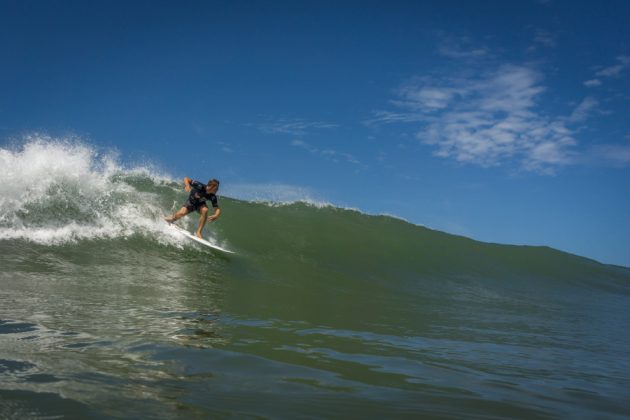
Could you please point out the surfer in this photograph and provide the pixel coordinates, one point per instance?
(199, 195)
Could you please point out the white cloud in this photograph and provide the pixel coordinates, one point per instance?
(224, 147)
(296, 127)
(383, 116)
(490, 119)
(329, 154)
(617, 69)
(460, 48)
(546, 39)
(422, 97)
(592, 83)
(611, 155)
(582, 111)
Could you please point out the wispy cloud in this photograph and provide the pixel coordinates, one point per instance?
(545, 38)
(489, 120)
(584, 109)
(329, 154)
(383, 116)
(296, 127)
(460, 48)
(616, 155)
(225, 147)
(617, 69)
(422, 96)
(592, 83)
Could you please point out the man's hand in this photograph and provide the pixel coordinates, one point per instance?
(187, 184)
(215, 216)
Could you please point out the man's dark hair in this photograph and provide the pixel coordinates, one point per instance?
(213, 182)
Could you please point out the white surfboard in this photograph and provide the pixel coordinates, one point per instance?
(199, 240)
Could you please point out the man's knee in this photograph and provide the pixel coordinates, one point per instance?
(183, 211)
(203, 210)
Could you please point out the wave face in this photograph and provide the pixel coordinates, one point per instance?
(105, 311)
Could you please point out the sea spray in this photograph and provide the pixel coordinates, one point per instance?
(63, 190)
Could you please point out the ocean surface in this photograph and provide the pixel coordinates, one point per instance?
(323, 312)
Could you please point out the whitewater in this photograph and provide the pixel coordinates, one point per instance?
(325, 312)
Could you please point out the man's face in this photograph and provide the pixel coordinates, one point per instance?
(212, 189)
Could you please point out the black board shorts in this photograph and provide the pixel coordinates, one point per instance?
(192, 205)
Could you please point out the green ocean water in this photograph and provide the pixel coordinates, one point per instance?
(322, 313)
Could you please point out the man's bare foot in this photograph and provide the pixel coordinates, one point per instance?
(170, 219)
(198, 235)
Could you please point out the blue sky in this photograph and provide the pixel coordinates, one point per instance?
(503, 121)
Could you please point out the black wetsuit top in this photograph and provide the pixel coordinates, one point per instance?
(198, 197)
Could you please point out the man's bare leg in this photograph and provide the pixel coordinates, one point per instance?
(176, 216)
(202, 220)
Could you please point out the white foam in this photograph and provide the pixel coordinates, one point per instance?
(45, 173)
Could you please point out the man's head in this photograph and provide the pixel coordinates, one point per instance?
(213, 186)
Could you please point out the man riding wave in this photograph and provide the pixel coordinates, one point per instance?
(199, 195)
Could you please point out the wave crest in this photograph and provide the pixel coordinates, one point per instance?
(57, 190)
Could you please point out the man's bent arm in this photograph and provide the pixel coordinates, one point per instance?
(187, 183)
(215, 216)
